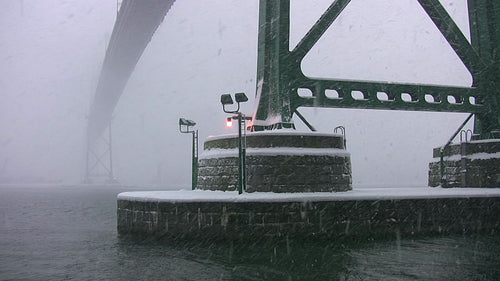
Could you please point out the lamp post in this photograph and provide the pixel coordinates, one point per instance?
(184, 125)
(226, 99)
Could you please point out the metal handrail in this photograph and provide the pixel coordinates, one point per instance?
(441, 151)
(342, 131)
(465, 135)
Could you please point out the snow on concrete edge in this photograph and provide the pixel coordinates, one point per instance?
(475, 156)
(356, 194)
(281, 132)
(273, 151)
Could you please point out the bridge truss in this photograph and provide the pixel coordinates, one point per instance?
(280, 78)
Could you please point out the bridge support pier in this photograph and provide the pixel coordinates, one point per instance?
(277, 161)
(468, 164)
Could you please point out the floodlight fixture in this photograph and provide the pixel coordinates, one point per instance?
(240, 97)
(186, 122)
(226, 99)
(184, 125)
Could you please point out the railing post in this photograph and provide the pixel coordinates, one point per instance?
(194, 164)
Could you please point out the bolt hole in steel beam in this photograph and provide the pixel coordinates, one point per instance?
(332, 94)
(383, 96)
(432, 98)
(408, 97)
(472, 100)
(454, 100)
(358, 95)
(305, 93)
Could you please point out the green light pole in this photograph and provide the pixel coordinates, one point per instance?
(226, 99)
(184, 125)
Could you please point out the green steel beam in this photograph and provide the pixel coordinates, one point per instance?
(273, 93)
(379, 95)
(454, 36)
(484, 22)
(280, 78)
(478, 24)
(319, 28)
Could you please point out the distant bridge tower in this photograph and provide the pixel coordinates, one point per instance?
(99, 162)
(136, 22)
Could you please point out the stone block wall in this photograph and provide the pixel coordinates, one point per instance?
(218, 173)
(359, 218)
(305, 173)
(278, 163)
(471, 164)
(278, 173)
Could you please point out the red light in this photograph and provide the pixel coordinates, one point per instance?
(229, 122)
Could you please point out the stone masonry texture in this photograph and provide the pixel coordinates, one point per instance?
(356, 218)
(466, 170)
(279, 173)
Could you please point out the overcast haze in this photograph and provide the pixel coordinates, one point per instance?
(52, 50)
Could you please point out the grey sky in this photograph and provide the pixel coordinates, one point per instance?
(51, 52)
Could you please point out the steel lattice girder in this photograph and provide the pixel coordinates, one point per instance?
(280, 77)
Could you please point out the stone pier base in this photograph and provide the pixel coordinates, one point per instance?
(469, 164)
(191, 215)
(277, 162)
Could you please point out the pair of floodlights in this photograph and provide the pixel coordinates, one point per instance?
(185, 127)
(226, 99)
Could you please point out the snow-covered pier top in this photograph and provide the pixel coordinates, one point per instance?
(355, 194)
(277, 161)
(371, 212)
(470, 163)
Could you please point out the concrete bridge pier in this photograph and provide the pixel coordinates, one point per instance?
(468, 164)
(277, 161)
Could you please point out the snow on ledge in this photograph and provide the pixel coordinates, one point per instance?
(280, 132)
(475, 156)
(272, 151)
(356, 194)
(485, 141)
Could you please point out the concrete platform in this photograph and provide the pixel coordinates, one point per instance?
(363, 212)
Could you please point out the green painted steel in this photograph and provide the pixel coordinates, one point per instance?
(194, 161)
(484, 21)
(281, 83)
(184, 127)
(273, 67)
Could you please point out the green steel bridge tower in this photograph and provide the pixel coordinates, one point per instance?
(279, 75)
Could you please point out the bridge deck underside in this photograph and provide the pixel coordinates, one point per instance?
(136, 22)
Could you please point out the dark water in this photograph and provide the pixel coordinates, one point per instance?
(69, 233)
